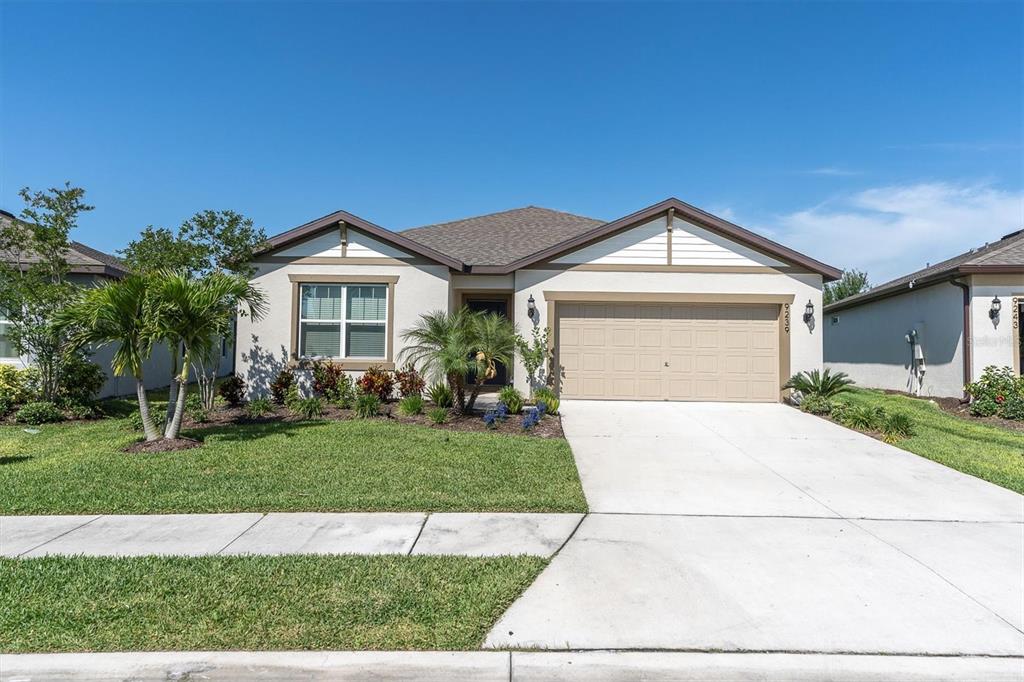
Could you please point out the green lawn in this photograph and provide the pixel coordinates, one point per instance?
(989, 452)
(371, 465)
(255, 603)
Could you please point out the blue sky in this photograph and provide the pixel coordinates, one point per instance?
(877, 136)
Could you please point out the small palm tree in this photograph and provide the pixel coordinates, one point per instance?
(440, 345)
(493, 338)
(117, 313)
(824, 384)
(192, 313)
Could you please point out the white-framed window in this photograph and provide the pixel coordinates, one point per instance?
(6, 346)
(343, 321)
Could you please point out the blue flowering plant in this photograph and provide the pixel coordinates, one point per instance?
(531, 418)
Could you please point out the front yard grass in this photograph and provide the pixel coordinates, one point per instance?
(989, 452)
(255, 603)
(358, 465)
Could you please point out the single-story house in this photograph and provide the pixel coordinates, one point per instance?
(934, 330)
(90, 267)
(668, 303)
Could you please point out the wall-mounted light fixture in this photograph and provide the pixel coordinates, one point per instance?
(809, 311)
(993, 311)
(531, 307)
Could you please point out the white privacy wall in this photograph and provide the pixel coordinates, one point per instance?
(993, 339)
(868, 341)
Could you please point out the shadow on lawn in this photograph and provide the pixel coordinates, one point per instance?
(245, 431)
(14, 459)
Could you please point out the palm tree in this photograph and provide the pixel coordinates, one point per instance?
(440, 344)
(493, 338)
(191, 314)
(118, 313)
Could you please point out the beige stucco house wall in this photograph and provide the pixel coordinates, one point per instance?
(660, 258)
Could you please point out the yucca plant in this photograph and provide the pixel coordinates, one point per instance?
(824, 384)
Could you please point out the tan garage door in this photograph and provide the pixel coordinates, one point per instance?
(668, 351)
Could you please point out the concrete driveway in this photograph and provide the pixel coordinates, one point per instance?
(722, 527)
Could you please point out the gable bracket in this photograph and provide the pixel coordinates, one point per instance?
(668, 235)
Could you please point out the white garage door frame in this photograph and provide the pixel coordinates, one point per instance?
(784, 303)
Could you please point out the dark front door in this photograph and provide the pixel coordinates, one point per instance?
(500, 306)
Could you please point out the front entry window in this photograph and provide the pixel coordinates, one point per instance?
(343, 321)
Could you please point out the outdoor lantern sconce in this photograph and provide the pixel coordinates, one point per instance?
(531, 307)
(997, 305)
(809, 311)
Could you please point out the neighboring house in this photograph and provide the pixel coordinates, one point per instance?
(669, 303)
(934, 330)
(89, 267)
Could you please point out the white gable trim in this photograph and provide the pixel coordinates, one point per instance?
(347, 241)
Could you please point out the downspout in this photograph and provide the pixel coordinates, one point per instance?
(967, 335)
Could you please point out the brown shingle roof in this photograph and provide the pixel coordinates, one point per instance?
(81, 259)
(1005, 255)
(502, 238)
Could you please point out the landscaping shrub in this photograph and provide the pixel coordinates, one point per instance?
(897, 426)
(41, 412)
(195, 410)
(493, 417)
(333, 383)
(441, 395)
(410, 382)
(307, 408)
(232, 390)
(6, 405)
(378, 381)
(134, 420)
(438, 415)
(816, 404)
(861, 417)
(81, 411)
(512, 398)
(279, 386)
(367, 405)
(551, 400)
(81, 380)
(258, 407)
(411, 405)
(15, 384)
(999, 391)
(824, 384)
(531, 418)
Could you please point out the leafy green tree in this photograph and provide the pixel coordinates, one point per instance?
(117, 313)
(192, 313)
(852, 282)
(208, 242)
(34, 285)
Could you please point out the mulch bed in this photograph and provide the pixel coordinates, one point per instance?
(954, 407)
(549, 427)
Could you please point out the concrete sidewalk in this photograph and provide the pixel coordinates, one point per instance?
(476, 666)
(485, 534)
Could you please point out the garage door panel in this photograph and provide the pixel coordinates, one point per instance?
(668, 351)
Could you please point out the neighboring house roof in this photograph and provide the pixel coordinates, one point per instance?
(501, 243)
(504, 237)
(1005, 256)
(82, 259)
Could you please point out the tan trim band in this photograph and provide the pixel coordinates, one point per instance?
(347, 365)
(720, 269)
(339, 260)
(343, 279)
(666, 297)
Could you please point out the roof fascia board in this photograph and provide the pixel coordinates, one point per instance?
(309, 229)
(687, 212)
